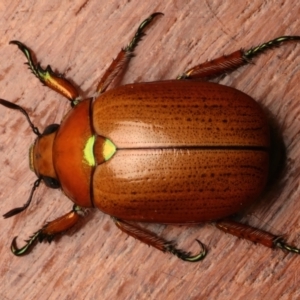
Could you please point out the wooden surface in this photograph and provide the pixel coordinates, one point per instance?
(97, 261)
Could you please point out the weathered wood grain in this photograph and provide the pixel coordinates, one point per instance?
(97, 261)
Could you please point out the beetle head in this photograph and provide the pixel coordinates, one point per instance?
(40, 157)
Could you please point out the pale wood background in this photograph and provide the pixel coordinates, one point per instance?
(97, 261)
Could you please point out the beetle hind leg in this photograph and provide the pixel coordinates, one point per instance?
(49, 78)
(228, 63)
(159, 243)
(49, 231)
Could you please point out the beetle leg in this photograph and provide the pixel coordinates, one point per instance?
(228, 63)
(122, 59)
(159, 243)
(49, 231)
(255, 235)
(53, 80)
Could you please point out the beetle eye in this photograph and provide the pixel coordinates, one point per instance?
(51, 182)
(50, 129)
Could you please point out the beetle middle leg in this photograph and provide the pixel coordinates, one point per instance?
(255, 235)
(122, 59)
(159, 243)
(228, 63)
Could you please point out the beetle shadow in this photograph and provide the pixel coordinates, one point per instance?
(277, 168)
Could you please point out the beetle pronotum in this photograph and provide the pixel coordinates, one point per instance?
(178, 151)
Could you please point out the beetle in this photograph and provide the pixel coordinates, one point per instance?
(176, 151)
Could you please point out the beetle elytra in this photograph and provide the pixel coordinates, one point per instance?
(177, 151)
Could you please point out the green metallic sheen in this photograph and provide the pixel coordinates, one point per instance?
(88, 152)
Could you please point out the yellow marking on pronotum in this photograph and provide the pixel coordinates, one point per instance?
(109, 150)
(88, 151)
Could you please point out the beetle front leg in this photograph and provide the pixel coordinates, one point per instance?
(53, 80)
(255, 235)
(122, 59)
(233, 61)
(159, 243)
(49, 231)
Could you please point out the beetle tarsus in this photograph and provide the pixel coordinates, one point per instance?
(29, 244)
(38, 236)
(282, 245)
(251, 53)
(186, 256)
(36, 69)
(140, 32)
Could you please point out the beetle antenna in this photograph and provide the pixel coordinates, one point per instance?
(23, 111)
(17, 210)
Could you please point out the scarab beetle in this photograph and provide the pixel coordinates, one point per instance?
(178, 151)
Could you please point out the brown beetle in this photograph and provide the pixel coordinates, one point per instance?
(177, 151)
